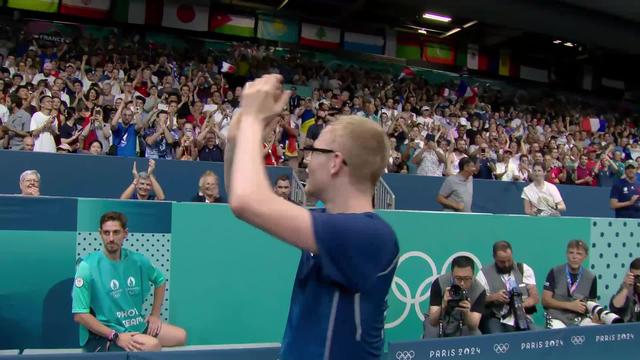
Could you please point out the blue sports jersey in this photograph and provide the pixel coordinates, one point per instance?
(339, 295)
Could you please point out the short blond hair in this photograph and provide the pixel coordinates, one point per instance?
(364, 146)
(207, 174)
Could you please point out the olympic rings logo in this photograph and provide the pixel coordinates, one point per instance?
(577, 340)
(424, 289)
(501, 348)
(405, 355)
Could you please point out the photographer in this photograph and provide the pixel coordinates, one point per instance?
(626, 302)
(567, 288)
(511, 292)
(457, 302)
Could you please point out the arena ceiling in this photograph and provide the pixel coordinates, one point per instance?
(593, 24)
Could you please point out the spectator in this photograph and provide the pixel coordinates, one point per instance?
(208, 188)
(125, 132)
(626, 302)
(95, 128)
(282, 187)
(625, 194)
(452, 311)
(211, 142)
(159, 137)
(30, 183)
(44, 127)
(499, 281)
(18, 124)
(567, 287)
(143, 183)
(28, 143)
(521, 171)
(101, 313)
(456, 192)
(584, 174)
(430, 159)
(542, 198)
(453, 158)
(95, 148)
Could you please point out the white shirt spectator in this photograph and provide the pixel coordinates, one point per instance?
(545, 199)
(4, 114)
(44, 142)
(40, 76)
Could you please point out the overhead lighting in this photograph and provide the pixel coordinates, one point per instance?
(557, 41)
(470, 24)
(450, 32)
(422, 31)
(569, 44)
(436, 17)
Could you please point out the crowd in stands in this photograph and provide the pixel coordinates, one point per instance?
(132, 100)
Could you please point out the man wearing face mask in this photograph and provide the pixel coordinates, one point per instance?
(502, 280)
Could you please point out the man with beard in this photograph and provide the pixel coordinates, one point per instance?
(108, 294)
(143, 183)
(30, 183)
(499, 280)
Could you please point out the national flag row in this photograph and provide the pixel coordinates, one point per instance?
(197, 16)
(471, 56)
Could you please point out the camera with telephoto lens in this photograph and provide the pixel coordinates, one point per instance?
(457, 294)
(517, 307)
(636, 280)
(607, 317)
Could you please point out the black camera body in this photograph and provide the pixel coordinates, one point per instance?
(517, 306)
(457, 294)
(636, 280)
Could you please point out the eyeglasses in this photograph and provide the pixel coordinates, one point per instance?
(463, 279)
(323, 151)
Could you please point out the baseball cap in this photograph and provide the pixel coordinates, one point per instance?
(630, 164)
(424, 108)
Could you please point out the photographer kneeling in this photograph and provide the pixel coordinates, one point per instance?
(457, 302)
(626, 302)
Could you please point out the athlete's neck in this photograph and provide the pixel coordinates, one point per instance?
(354, 203)
(115, 256)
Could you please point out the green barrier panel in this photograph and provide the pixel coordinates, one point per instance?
(230, 283)
(33, 265)
(430, 241)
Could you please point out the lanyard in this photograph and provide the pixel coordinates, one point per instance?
(572, 285)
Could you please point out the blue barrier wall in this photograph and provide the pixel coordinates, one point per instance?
(107, 176)
(90, 176)
(498, 197)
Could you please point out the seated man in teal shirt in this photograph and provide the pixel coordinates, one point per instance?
(108, 293)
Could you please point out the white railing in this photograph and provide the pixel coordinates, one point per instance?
(297, 191)
(383, 197)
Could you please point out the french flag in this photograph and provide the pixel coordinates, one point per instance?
(593, 124)
(466, 92)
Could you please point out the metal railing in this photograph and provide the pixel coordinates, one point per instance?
(297, 191)
(383, 197)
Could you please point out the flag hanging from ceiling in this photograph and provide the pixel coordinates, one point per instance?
(365, 43)
(186, 15)
(472, 58)
(408, 46)
(320, 36)
(272, 28)
(142, 12)
(95, 9)
(504, 67)
(237, 25)
(439, 54)
(49, 6)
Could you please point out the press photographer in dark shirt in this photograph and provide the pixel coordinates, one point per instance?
(626, 302)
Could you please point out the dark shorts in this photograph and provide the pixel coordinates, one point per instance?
(97, 343)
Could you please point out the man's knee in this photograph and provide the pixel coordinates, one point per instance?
(149, 342)
(171, 335)
(180, 336)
